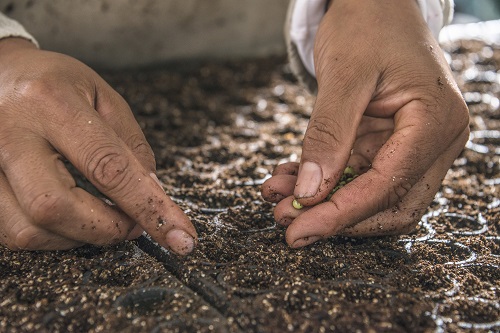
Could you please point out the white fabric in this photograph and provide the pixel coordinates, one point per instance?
(433, 15)
(11, 28)
(307, 15)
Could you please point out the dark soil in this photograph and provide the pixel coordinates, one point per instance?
(218, 130)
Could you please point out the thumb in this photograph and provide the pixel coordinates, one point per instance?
(331, 132)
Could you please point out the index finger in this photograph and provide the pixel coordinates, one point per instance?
(94, 148)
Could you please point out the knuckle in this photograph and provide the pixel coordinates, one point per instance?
(399, 191)
(394, 196)
(10, 242)
(25, 240)
(108, 168)
(47, 88)
(47, 207)
(142, 150)
(398, 187)
(322, 131)
(39, 88)
(32, 238)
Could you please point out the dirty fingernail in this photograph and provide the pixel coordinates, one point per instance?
(155, 178)
(305, 241)
(309, 180)
(180, 241)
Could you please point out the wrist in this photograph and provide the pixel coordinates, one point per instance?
(389, 7)
(435, 13)
(11, 45)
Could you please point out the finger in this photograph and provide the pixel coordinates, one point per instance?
(51, 200)
(115, 111)
(289, 168)
(364, 150)
(353, 204)
(104, 159)
(332, 128)
(278, 187)
(136, 232)
(17, 231)
(285, 213)
(405, 215)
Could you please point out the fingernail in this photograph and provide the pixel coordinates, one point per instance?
(305, 241)
(309, 180)
(180, 241)
(155, 178)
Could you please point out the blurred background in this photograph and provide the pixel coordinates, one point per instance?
(131, 33)
(467, 11)
(128, 33)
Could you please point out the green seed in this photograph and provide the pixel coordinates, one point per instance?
(348, 176)
(349, 171)
(296, 204)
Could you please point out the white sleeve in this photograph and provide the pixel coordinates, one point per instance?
(306, 15)
(12, 28)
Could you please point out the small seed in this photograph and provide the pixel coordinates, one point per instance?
(349, 171)
(348, 176)
(296, 204)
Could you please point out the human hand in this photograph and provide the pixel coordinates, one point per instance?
(387, 104)
(53, 108)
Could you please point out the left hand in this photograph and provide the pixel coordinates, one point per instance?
(387, 105)
(53, 109)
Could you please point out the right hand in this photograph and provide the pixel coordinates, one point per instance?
(387, 105)
(54, 108)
